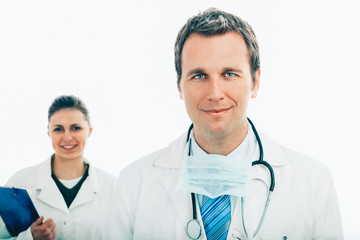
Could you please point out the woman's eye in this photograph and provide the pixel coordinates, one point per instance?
(199, 76)
(76, 128)
(57, 129)
(229, 74)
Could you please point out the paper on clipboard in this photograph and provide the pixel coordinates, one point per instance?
(17, 210)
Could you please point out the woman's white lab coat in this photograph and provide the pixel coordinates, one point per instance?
(85, 217)
(303, 205)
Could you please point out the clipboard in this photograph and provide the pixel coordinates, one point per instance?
(17, 210)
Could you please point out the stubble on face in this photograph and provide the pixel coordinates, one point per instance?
(216, 85)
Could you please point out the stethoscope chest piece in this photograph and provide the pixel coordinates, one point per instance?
(193, 229)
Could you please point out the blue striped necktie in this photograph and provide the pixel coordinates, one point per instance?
(216, 216)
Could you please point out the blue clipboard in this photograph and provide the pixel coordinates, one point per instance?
(17, 210)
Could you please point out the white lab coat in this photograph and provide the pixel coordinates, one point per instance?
(85, 217)
(303, 205)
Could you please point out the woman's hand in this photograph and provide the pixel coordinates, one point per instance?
(43, 230)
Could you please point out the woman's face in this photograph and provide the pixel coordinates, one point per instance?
(69, 130)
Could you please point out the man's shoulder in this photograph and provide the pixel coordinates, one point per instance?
(160, 159)
(144, 162)
(292, 157)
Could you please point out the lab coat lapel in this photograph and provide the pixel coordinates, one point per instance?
(88, 189)
(48, 191)
(179, 199)
(273, 155)
(172, 159)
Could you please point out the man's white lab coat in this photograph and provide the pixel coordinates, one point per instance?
(303, 205)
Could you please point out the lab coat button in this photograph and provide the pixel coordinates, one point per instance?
(235, 237)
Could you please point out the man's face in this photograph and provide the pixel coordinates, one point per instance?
(216, 83)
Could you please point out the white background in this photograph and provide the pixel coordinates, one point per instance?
(118, 57)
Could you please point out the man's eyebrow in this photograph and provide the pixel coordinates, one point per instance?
(195, 71)
(230, 69)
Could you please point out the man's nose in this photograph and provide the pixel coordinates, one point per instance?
(215, 86)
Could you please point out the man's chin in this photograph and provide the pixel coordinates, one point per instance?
(218, 130)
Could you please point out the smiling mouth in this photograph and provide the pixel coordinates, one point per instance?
(219, 110)
(69, 147)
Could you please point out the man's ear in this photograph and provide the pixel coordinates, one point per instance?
(256, 84)
(179, 89)
(181, 94)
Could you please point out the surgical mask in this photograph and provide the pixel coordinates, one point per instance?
(215, 175)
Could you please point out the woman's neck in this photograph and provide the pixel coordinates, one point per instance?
(67, 169)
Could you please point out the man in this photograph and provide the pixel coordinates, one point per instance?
(206, 174)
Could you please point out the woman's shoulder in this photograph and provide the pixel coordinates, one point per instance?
(103, 178)
(106, 176)
(26, 176)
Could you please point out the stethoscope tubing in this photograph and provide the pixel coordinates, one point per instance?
(257, 162)
(261, 157)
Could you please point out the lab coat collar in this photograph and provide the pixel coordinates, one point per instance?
(48, 191)
(273, 152)
(88, 189)
(173, 155)
(172, 158)
(50, 194)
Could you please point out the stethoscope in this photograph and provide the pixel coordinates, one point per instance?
(193, 228)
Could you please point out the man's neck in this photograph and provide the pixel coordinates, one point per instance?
(222, 145)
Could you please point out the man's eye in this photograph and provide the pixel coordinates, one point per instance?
(199, 76)
(229, 74)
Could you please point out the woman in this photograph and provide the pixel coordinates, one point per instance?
(67, 191)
